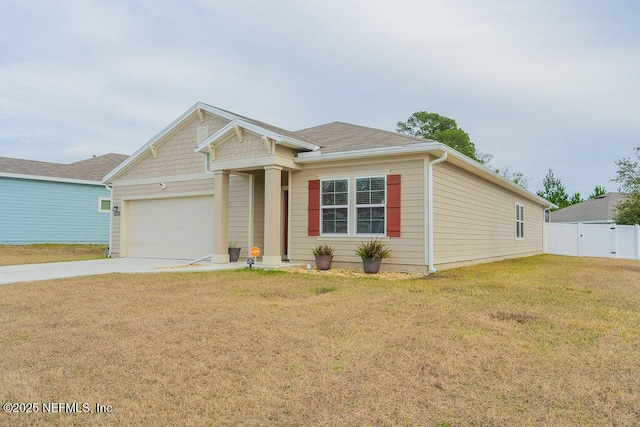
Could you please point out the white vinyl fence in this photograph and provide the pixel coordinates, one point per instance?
(592, 240)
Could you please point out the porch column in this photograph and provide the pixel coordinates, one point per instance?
(272, 189)
(220, 217)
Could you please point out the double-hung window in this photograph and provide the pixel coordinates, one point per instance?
(519, 221)
(370, 205)
(366, 207)
(335, 206)
(354, 206)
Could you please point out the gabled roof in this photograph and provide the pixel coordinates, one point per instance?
(329, 142)
(92, 169)
(277, 130)
(272, 132)
(276, 133)
(600, 209)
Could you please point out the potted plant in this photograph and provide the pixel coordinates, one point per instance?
(234, 252)
(372, 253)
(324, 256)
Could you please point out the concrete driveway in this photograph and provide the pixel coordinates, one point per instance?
(59, 270)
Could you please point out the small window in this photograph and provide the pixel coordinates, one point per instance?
(104, 204)
(370, 205)
(519, 221)
(335, 206)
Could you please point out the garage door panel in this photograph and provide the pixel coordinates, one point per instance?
(178, 228)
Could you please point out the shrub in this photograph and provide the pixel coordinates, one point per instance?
(322, 250)
(373, 249)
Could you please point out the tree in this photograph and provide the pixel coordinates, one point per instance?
(515, 177)
(576, 198)
(424, 125)
(444, 129)
(484, 158)
(440, 128)
(554, 191)
(597, 192)
(628, 176)
(628, 211)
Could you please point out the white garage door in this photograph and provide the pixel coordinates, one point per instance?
(176, 228)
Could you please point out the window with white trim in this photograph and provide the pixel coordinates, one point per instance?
(104, 204)
(519, 221)
(335, 206)
(370, 205)
(348, 212)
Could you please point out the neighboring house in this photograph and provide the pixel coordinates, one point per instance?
(602, 209)
(212, 177)
(42, 202)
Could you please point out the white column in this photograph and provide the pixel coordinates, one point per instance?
(220, 217)
(272, 255)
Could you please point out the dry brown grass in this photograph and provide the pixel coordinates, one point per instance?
(43, 253)
(537, 341)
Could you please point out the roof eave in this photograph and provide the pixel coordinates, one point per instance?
(318, 156)
(259, 130)
(49, 178)
(436, 148)
(495, 177)
(167, 130)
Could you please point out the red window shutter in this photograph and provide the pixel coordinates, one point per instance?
(393, 205)
(314, 208)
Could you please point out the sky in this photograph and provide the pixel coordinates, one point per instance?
(540, 84)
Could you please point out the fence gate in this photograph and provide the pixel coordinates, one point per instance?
(593, 240)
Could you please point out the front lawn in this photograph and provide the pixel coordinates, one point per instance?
(43, 253)
(545, 340)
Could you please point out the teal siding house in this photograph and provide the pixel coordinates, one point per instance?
(42, 202)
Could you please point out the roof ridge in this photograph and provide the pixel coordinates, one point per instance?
(403, 135)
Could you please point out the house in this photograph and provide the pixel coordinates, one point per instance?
(44, 202)
(212, 177)
(602, 209)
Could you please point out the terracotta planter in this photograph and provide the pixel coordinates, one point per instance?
(323, 262)
(234, 254)
(371, 266)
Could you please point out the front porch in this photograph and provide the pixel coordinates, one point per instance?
(266, 156)
(267, 216)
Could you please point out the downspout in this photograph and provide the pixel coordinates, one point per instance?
(110, 188)
(545, 220)
(206, 164)
(430, 164)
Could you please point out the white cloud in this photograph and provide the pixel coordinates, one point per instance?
(534, 83)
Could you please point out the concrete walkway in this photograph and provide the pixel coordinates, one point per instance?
(59, 270)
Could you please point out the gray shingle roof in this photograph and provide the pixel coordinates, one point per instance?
(602, 208)
(276, 129)
(93, 169)
(337, 136)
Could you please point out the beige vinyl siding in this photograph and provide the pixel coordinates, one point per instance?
(175, 153)
(238, 210)
(239, 213)
(474, 219)
(407, 250)
(232, 149)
